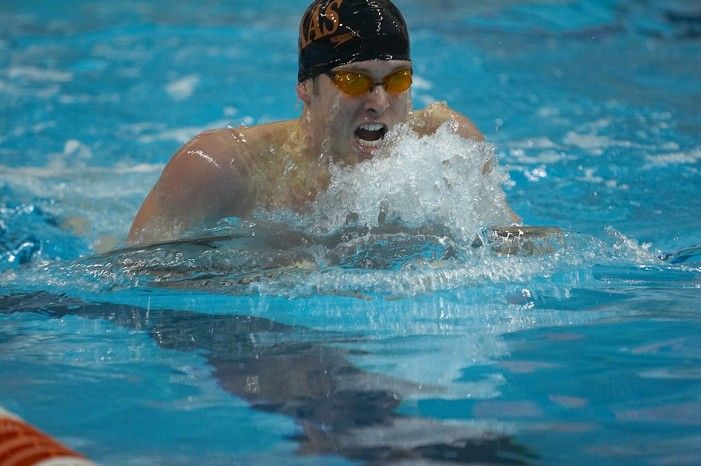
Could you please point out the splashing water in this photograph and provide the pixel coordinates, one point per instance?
(417, 181)
(416, 219)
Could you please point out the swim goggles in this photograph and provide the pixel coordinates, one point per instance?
(356, 84)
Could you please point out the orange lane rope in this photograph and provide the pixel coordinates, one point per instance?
(23, 445)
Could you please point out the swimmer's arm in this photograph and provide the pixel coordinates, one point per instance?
(202, 183)
(428, 120)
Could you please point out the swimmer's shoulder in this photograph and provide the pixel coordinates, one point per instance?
(230, 141)
(210, 177)
(428, 120)
(229, 152)
(228, 155)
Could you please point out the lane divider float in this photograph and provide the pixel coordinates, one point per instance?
(24, 445)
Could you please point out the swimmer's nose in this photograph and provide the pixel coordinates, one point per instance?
(377, 100)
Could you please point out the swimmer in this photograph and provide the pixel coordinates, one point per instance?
(354, 80)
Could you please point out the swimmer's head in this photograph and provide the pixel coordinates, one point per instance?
(334, 33)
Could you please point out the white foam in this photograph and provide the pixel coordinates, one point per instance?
(84, 98)
(60, 170)
(73, 147)
(183, 88)
(542, 142)
(435, 179)
(39, 74)
(625, 249)
(591, 141)
(675, 158)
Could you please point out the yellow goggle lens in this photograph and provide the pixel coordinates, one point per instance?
(356, 84)
(398, 82)
(352, 83)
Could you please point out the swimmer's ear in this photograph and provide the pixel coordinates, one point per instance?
(303, 92)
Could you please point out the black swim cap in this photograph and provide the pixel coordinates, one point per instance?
(337, 32)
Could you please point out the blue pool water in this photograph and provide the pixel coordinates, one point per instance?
(288, 339)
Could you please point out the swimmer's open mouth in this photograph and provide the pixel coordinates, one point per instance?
(371, 134)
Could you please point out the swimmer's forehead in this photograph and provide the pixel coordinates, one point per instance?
(372, 66)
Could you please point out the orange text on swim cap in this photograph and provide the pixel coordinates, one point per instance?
(312, 28)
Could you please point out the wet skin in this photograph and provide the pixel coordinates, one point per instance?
(233, 171)
(332, 119)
